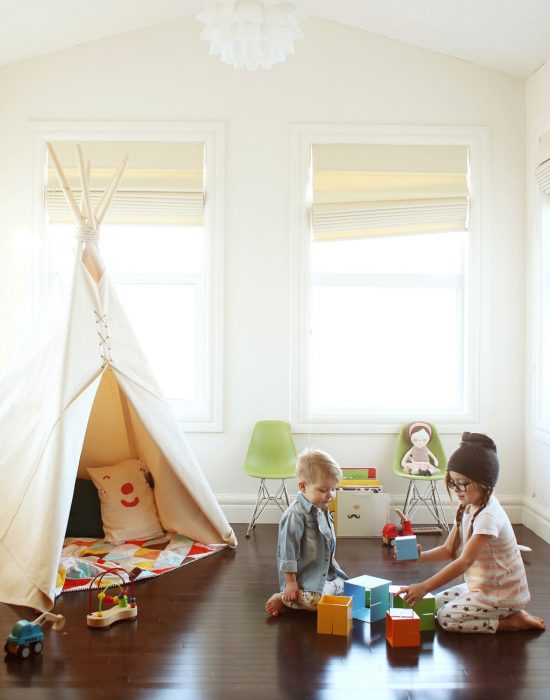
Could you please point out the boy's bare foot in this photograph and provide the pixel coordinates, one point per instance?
(274, 605)
(521, 620)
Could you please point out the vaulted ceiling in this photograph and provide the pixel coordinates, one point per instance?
(507, 35)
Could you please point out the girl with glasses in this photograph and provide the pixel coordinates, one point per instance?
(482, 546)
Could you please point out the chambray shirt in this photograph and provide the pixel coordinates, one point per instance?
(306, 546)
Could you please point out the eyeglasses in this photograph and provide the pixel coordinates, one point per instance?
(458, 486)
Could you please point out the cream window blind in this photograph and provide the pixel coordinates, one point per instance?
(362, 190)
(542, 172)
(163, 182)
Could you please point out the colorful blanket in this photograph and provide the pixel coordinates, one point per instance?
(84, 558)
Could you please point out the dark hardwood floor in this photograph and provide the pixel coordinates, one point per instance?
(202, 632)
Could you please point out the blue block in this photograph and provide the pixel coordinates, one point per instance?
(370, 597)
(406, 548)
(372, 614)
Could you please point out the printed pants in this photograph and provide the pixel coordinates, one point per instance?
(307, 600)
(459, 610)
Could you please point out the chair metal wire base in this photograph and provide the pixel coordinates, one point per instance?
(280, 498)
(428, 497)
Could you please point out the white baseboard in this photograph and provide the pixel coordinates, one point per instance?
(238, 508)
(537, 518)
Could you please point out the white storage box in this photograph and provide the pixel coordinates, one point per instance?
(360, 513)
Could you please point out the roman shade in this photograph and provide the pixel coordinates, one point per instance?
(163, 182)
(362, 190)
(542, 172)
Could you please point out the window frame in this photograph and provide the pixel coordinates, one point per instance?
(303, 137)
(212, 134)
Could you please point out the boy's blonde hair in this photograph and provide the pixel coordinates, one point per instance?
(313, 465)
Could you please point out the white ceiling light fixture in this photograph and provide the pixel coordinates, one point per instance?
(250, 33)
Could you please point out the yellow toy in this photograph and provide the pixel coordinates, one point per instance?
(334, 615)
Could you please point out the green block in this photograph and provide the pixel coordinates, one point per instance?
(427, 622)
(367, 598)
(425, 606)
(398, 602)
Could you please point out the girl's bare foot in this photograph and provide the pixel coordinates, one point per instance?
(521, 620)
(274, 605)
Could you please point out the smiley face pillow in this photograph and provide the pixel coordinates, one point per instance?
(128, 508)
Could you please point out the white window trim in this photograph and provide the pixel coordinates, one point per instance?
(303, 136)
(213, 136)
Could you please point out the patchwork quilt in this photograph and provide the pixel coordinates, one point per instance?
(84, 558)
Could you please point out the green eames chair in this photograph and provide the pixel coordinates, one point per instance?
(422, 489)
(271, 455)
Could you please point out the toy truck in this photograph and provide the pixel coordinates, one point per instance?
(391, 531)
(27, 637)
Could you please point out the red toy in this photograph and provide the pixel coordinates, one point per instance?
(390, 531)
(402, 628)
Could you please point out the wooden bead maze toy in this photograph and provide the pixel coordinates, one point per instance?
(124, 606)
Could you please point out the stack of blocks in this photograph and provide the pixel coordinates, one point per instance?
(406, 548)
(370, 597)
(402, 627)
(425, 608)
(334, 615)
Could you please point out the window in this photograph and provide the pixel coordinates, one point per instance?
(386, 331)
(383, 278)
(160, 242)
(159, 274)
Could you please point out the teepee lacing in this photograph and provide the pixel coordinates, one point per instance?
(104, 338)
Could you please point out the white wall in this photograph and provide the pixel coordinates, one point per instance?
(537, 452)
(338, 75)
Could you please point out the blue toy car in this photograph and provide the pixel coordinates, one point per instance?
(27, 637)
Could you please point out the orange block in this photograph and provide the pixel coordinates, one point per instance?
(402, 627)
(334, 615)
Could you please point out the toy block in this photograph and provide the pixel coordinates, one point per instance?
(334, 615)
(425, 608)
(406, 548)
(370, 597)
(402, 627)
(427, 622)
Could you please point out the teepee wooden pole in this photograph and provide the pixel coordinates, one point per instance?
(88, 174)
(85, 188)
(65, 187)
(103, 205)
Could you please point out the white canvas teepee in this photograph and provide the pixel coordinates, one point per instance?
(81, 394)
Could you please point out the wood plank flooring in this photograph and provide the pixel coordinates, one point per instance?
(202, 632)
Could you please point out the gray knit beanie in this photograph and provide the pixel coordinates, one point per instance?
(475, 457)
